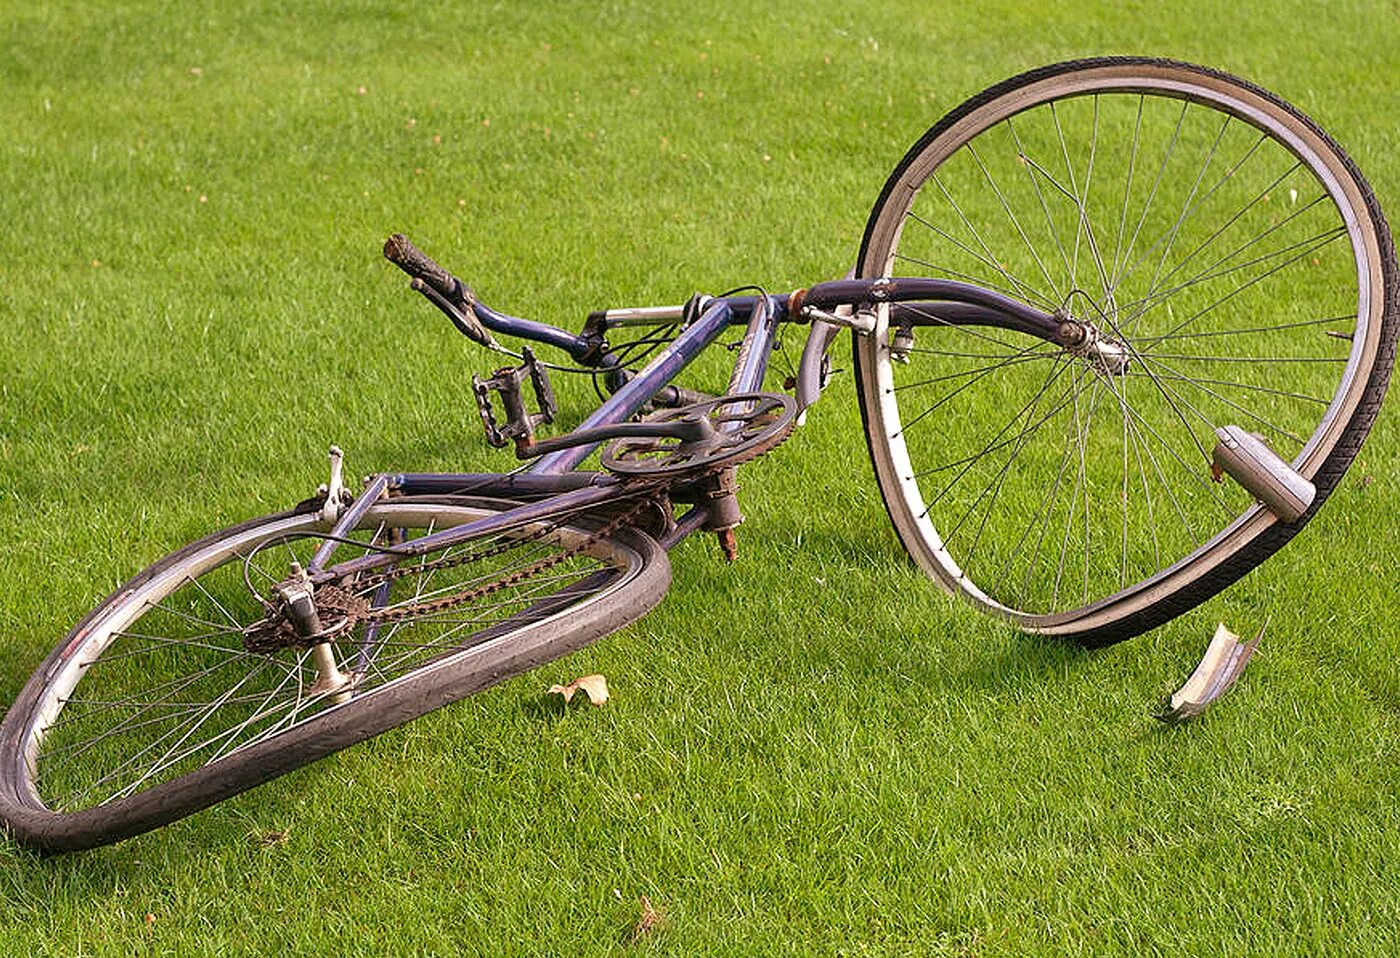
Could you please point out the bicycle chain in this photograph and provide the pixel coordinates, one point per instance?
(347, 609)
(471, 595)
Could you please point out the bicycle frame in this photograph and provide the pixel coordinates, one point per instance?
(551, 480)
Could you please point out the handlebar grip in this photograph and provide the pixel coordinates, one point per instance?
(449, 294)
(413, 261)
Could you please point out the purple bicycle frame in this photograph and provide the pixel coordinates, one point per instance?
(553, 476)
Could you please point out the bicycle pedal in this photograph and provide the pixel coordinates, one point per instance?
(507, 383)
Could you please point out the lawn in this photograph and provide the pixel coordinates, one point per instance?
(812, 751)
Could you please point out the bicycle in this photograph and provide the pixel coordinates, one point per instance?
(1069, 288)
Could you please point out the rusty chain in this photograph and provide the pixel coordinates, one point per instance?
(488, 588)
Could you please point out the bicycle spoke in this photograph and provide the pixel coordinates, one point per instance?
(1211, 272)
(1252, 330)
(995, 486)
(1015, 222)
(1248, 284)
(1171, 235)
(1171, 375)
(1152, 195)
(1025, 162)
(1049, 380)
(153, 746)
(989, 258)
(960, 388)
(927, 267)
(1225, 227)
(1127, 190)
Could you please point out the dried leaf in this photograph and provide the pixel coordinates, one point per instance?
(594, 686)
(649, 920)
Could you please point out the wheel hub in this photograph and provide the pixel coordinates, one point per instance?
(299, 618)
(1083, 339)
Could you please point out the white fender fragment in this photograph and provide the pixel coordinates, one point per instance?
(1224, 661)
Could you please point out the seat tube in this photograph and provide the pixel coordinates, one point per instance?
(756, 347)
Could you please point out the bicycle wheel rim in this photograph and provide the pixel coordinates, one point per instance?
(1082, 82)
(640, 580)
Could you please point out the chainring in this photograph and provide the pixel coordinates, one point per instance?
(746, 425)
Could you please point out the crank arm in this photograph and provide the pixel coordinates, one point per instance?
(696, 430)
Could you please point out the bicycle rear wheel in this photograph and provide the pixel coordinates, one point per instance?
(1234, 259)
(174, 694)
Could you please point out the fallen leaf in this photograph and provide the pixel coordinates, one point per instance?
(647, 922)
(594, 686)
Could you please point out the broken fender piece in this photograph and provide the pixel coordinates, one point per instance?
(1224, 661)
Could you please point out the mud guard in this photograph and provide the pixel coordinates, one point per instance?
(813, 370)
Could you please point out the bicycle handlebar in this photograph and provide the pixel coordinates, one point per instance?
(448, 293)
(418, 264)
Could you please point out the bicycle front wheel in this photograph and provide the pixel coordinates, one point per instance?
(175, 693)
(1234, 262)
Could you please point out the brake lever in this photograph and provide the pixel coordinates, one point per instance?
(466, 322)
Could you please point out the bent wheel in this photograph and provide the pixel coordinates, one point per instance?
(1231, 256)
(178, 691)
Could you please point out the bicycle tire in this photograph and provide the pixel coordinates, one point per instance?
(959, 149)
(624, 573)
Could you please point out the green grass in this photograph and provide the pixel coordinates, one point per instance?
(811, 751)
